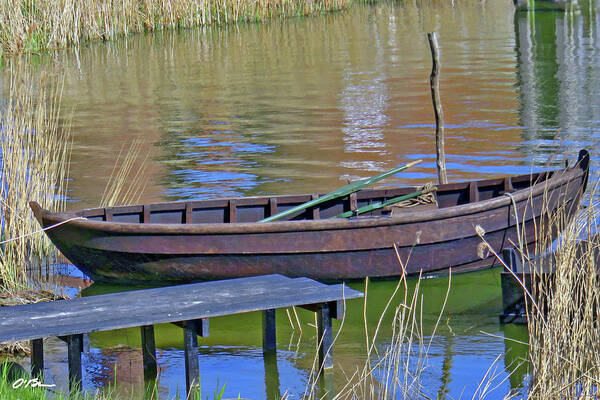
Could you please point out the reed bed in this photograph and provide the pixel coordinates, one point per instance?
(564, 336)
(35, 152)
(562, 304)
(37, 25)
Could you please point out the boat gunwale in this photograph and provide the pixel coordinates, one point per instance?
(559, 177)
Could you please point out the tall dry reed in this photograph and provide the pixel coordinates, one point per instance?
(35, 25)
(126, 182)
(396, 371)
(35, 152)
(562, 302)
(564, 335)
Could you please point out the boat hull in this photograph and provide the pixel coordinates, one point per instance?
(328, 250)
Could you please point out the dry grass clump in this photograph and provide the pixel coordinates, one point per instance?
(564, 335)
(34, 160)
(562, 303)
(35, 25)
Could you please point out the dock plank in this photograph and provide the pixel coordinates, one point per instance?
(163, 305)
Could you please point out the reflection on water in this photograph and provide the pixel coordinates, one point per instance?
(558, 77)
(232, 355)
(304, 104)
(298, 105)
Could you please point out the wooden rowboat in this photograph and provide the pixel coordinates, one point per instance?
(217, 239)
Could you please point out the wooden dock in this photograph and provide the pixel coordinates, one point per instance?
(189, 306)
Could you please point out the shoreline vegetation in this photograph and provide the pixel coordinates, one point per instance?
(564, 338)
(35, 152)
(34, 159)
(564, 349)
(564, 354)
(33, 26)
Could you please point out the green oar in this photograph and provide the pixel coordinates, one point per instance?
(341, 192)
(378, 205)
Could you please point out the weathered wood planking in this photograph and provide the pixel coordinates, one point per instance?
(221, 239)
(163, 305)
(186, 305)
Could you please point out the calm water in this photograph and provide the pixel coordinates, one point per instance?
(305, 104)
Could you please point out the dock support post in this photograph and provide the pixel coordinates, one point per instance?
(269, 330)
(271, 375)
(37, 358)
(325, 336)
(190, 344)
(75, 347)
(326, 385)
(148, 353)
(270, 354)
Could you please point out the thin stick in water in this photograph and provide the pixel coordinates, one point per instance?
(437, 108)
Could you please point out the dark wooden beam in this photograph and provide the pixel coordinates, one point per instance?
(232, 211)
(146, 214)
(473, 192)
(438, 110)
(272, 206)
(325, 336)
(336, 308)
(316, 210)
(37, 358)
(202, 326)
(187, 217)
(508, 187)
(353, 202)
(190, 345)
(149, 353)
(269, 331)
(74, 349)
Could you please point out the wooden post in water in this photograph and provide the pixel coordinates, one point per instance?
(324, 336)
(148, 353)
(437, 108)
(269, 331)
(37, 358)
(74, 349)
(190, 346)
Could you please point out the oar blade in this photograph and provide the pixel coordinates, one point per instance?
(340, 192)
